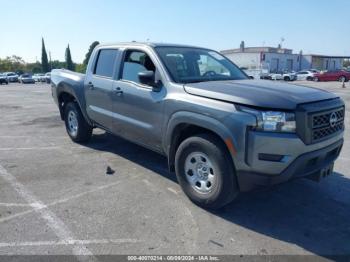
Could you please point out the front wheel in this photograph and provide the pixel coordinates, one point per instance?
(316, 79)
(205, 171)
(342, 79)
(77, 127)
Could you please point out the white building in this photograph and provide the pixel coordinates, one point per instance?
(322, 62)
(274, 59)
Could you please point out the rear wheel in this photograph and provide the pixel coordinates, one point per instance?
(77, 127)
(286, 78)
(205, 171)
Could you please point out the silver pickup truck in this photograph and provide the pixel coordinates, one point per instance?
(222, 132)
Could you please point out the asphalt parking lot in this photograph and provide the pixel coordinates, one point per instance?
(56, 198)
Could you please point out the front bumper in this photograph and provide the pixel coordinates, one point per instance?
(276, 158)
(28, 81)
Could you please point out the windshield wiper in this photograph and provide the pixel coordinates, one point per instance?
(195, 81)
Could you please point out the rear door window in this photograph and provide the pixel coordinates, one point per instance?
(105, 63)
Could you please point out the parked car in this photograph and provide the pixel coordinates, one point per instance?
(283, 75)
(26, 79)
(336, 75)
(39, 77)
(221, 132)
(305, 75)
(3, 79)
(276, 76)
(11, 76)
(255, 73)
(289, 76)
(314, 70)
(48, 78)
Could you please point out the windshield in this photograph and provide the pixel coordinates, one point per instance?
(190, 65)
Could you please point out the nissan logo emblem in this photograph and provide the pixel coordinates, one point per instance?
(333, 119)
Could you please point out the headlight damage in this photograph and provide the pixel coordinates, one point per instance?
(272, 121)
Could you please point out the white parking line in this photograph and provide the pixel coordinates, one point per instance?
(173, 190)
(59, 201)
(83, 193)
(29, 148)
(56, 224)
(19, 214)
(15, 205)
(69, 242)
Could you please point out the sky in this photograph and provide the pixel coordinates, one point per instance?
(314, 26)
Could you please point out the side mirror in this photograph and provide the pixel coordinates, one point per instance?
(147, 78)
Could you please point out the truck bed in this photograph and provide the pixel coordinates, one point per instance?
(64, 76)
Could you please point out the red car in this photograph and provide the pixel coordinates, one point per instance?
(337, 75)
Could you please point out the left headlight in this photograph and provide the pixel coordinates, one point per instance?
(272, 121)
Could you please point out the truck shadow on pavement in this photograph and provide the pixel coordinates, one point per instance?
(313, 216)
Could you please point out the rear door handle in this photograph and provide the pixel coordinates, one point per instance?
(117, 90)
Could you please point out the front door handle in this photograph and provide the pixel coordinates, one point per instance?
(90, 85)
(118, 91)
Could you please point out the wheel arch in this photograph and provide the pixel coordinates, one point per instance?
(185, 124)
(66, 94)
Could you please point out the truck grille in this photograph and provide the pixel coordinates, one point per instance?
(326, 124)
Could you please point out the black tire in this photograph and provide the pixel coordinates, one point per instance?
(286, 78)
(342, 79)
(225, 188)
(84, 130)
(309, 78)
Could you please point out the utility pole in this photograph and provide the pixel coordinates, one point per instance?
(50, 60)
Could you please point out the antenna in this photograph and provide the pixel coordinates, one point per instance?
(281, 42)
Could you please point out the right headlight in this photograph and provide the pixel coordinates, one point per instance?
(272, 121)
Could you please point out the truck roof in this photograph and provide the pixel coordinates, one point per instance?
(151, 44)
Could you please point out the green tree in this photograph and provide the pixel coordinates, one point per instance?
(44, 61)
(88, 54)
(80, 68)
(12, 63)
(58, 64)
(33, 67)
(69, 61)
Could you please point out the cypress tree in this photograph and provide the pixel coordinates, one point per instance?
(44, 61)
(69, 61)
(88, 54)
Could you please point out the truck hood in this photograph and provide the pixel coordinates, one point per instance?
(259, 93)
